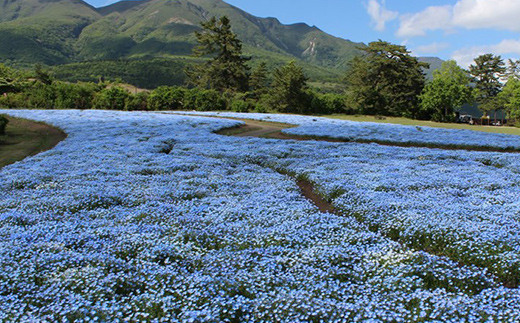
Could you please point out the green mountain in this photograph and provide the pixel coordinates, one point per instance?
(43, 31)
(86, 43)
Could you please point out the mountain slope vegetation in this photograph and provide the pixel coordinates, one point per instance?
(71, 33)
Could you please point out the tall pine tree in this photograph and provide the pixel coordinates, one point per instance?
(226, 69)
(487, 71)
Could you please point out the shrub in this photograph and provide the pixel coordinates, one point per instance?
(241, 102)
(167, 98)
(74, 96)
(240, 106)
(13, 101)
(136, 102)
(40, 96)
(3, 124)
(328, 103)
(113, 98)
(204, 100)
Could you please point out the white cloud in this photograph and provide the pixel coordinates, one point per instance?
(498, 14)
(430, 19)
(432, 48)
(469, 14)
(379, 14)
(507, 48)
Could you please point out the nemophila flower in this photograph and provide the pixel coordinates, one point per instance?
(153, 217)
(370, 131)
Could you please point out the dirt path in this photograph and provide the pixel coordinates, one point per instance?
(308, 189)
(273, 130)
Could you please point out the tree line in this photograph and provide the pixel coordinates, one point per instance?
(386, 80)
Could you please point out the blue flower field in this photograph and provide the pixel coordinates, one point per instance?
(152, 217)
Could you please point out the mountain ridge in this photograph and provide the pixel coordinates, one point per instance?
(58, 32)
(126, 28)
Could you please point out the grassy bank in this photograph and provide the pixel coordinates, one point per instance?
(25, 138)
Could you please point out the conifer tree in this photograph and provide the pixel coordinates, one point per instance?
(226, 69)
(258, 82)
(487, 71)
(288, 90)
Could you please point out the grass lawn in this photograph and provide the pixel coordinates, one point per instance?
(25, 138)
(411, 122)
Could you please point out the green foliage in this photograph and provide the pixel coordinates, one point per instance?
(41, 75)
(58, 95)
(8, 79)
(241, 103)
(447, 92)
(167, 98)
(3, 124)
(486, 71)
(74, 96)
(227, 69)
(510, 99)
(137, 102)
(288, 90)
(387, 80)
(40, 96)
(513, 69)
(66, 32)
(111, 98)
(144, 73)
(204, 100)
(13, 101)
(259, 80)
(328, 103)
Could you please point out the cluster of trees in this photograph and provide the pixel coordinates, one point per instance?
(386, 80)
(222, 81)
(227, 71)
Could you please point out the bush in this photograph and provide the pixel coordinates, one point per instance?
(241, 103)
(240, 106)
(3, 124)
(328, 103)
(74, 96)
(40, 96)
(137, 102)
(13, 101)
(204, 100)
(167, 98)
(113, 98)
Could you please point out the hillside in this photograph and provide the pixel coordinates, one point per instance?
(87, 41)
(42, 31)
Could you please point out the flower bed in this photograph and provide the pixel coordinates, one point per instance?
(152, 217)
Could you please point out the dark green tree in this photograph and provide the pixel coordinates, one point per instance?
(259, 81)
(167, 98)
(448, 91)
(513, 69)
(487, 71)
(112, 98)
(387, 80)
(42, 75)
(7, 79)
(288, 90)
(226, 69)
(509, 98)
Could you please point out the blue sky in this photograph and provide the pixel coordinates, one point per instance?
(458, 29)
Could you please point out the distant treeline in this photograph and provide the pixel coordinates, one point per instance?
(35, 94)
